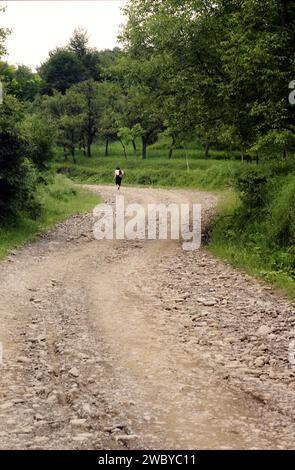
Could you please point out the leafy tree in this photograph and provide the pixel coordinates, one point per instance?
(7, 77)
(127, 135)
(79, 43)
(3, 35)
(18, 178)
(178, 39)
(66, 111)
(89, 57)
(141, 99)
(92, 104)
(62, 70)
(38, 134)
(28, 84)
(20, 81)
(259, 65)
(71, 122)
(111, 117)
(108, 60)
(70, 65)
(124, 135)
(224, 67)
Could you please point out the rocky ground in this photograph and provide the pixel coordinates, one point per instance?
(138, 344)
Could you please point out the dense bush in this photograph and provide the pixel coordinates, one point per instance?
(282, 214)
(38, 136)
(251, 183)
(18, 177)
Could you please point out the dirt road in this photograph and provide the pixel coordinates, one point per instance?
(138, 344)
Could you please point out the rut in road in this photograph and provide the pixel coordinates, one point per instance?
(137, 344)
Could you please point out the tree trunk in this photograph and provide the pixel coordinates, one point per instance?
(171, 148)
(186, 159)
(144, 147)
(124, 148)
(88, 149)
(285, 153)
(207, 148)
(73, 153)
(134, 147)
(107, 148)
(284, 14)
(65, 154)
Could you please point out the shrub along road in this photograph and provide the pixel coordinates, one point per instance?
(138, 344)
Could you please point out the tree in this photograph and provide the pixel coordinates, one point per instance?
(141, 99)
(79, 43)
(20, 81)
(127, 135)
(66, 111)
(28, 84)
(108, 60)
(89, 57)
(62, 70)
(158, 36)
(3, 35)
(18, 178)
(70, 65)
(7, 77)
(111, 117)
(71, 122)
(38, 134)
(92, 104)
(224, 67)
(259, 65)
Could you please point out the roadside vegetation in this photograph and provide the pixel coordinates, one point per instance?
(255, 225)
(58, 199)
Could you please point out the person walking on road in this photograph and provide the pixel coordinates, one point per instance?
(118, 177)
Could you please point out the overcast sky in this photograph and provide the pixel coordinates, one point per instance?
(39, 26)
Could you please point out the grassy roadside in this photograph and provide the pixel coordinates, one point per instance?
(60, 200)
(247, 248)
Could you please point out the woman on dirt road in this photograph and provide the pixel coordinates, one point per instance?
(118, 177)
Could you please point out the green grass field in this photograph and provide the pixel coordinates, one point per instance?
(60, 200)
(187, 169)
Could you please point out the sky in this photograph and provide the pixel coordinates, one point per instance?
(39, 26)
